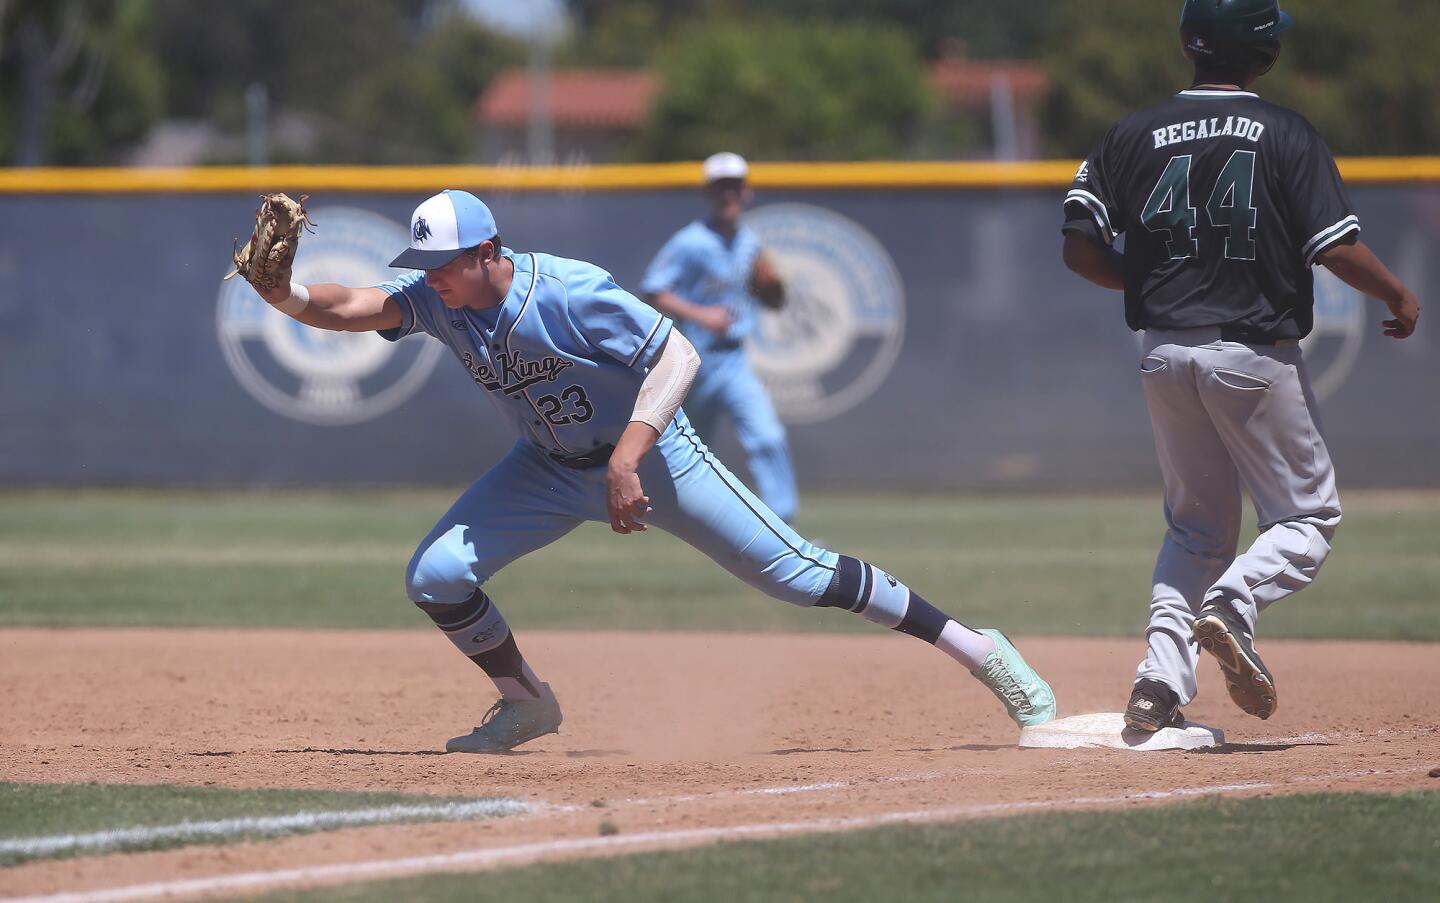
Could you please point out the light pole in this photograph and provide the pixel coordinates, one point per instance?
(542, 24)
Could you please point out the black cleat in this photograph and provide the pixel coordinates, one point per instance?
(1222, 633)
(1153, 706)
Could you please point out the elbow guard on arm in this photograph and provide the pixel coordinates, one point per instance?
(667, 384)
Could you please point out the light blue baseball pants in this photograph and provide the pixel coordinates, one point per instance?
(528, 501)
(727, 386)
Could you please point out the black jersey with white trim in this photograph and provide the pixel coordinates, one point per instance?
(1224, 200)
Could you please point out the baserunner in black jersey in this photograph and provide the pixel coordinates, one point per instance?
(1225, 201)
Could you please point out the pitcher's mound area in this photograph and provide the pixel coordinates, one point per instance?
(668, 738)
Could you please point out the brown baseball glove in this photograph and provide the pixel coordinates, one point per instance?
(266, 259)
(765, 282)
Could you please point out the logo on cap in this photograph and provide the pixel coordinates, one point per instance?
(422, 229)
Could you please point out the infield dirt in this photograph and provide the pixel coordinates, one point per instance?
(663, 731)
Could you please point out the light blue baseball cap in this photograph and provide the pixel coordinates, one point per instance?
(442, 227)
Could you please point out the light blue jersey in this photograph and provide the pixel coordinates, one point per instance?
(562, 356)
(701, 267)
(704, 268)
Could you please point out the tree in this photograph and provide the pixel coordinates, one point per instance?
(79, 79)
(983, 28)
(377, 81)
(306, 54)
(398, 112)
(784, 90)
(1364, 75)
(617, 34)
(1106, 59)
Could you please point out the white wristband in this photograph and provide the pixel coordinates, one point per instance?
(299, 299)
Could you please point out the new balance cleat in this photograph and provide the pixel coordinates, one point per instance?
(1153, 706)
(1221, 632)
(510, 722)
(1027, 697)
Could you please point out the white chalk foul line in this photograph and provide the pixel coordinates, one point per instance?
(782, 790)
(264, 826)
(1298, 739)
(471, 859)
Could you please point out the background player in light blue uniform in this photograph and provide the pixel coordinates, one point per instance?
(702, 279)
(591, 378)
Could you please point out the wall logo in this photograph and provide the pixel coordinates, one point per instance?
(835, 340)
(1333, 346)
(315, 376)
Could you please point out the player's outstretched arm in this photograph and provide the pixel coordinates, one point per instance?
(1358, 267)
(1095, 262)
(338, 308)
(266, 261)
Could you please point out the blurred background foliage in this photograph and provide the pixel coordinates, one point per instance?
(400, 81)
(1359, 71)
(776, 89)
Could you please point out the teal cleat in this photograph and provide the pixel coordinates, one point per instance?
(1027, 697)
(510, 722)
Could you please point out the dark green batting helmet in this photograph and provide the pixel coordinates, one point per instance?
(1222, 32)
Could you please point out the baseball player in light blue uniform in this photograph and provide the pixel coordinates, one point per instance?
(702, 278)
(591, 379)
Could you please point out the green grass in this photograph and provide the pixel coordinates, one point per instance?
(42, 810)
(1312, 848)
(1054, 565)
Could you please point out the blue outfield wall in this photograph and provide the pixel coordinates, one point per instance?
(934, 340)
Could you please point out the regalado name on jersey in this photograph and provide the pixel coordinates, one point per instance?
(1214, 127)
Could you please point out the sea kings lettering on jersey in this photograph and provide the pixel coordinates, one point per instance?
(1214, 127)
(512, 372)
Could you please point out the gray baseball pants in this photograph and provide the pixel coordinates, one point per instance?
(1226, 416)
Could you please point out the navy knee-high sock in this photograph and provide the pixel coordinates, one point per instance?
(877, 596)
(478, 630)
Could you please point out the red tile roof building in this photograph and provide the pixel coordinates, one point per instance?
(586, 98)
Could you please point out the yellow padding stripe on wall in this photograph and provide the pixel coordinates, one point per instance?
(610, 177)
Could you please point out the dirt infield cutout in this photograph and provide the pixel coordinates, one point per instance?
(670, 740)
